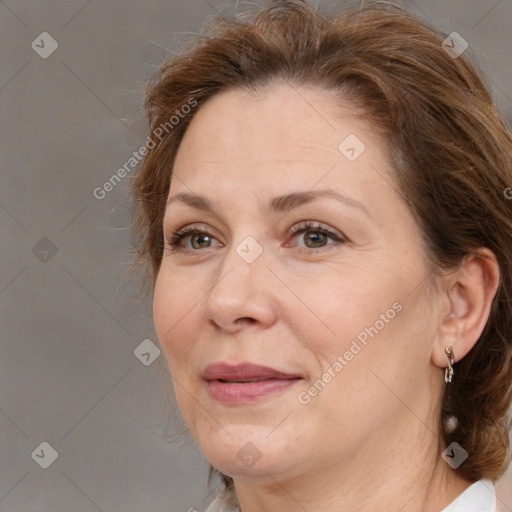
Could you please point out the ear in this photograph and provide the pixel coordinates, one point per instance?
(469, 294)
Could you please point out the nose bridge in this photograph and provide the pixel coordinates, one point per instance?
(237, 291)
(240, 266)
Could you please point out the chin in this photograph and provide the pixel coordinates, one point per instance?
(257, 468)
(250, 451)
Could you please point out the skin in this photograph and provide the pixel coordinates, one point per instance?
(369, 440)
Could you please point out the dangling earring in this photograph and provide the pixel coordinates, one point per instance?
(448, 372)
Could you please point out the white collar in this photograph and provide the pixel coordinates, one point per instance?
(478, 497)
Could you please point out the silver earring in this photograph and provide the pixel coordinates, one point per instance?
(448, 372)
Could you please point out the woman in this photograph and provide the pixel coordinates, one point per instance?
(323, 215)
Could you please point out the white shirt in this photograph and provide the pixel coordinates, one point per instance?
(478, 497)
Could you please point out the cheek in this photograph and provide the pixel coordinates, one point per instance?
(340, 306)
(384, 334)
(370, 318)
(175, 318)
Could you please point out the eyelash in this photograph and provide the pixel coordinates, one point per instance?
(177, 236)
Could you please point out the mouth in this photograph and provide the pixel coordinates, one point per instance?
(245, 372)
(246, 382)
(242, 381)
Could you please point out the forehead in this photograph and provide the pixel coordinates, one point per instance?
(293, 129)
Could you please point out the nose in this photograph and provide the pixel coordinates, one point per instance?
(242, 292)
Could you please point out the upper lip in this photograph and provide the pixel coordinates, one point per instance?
(244, 371)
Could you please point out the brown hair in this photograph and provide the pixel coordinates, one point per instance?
(449, 147)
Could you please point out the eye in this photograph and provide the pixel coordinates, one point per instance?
(198, 237)
(316, 236)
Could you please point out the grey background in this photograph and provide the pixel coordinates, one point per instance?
(70, 321)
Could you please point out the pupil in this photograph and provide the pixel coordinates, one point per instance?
(197, 238)
(315, 238)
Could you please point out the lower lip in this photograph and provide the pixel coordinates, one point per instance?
(240, 393)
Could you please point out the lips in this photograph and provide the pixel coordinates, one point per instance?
(246, 382)
(246, 372)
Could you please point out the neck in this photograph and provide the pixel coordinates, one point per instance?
(409, 476)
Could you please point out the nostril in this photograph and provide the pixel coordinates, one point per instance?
(246, 319)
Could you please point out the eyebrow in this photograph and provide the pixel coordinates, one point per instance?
(279, 204)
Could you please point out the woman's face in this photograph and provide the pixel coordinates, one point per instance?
(307, 277)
